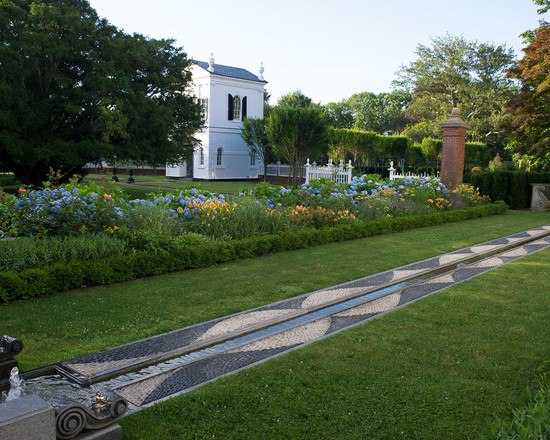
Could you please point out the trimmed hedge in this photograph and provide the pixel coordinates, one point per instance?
(476, 153)
(180, 255)
(513, 187)
(347, 143)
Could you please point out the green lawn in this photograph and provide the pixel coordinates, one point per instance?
(144, 185)
(443, 367)
(78, 322)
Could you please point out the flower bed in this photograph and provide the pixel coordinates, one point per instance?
(83, 235)
(89, 209)
(159, 255)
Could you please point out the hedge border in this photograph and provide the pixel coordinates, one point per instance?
(61, 277)
(513, 187)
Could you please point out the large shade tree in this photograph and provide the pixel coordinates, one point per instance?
(74, 89)
(530, 110)
(453, 71)
(379, 113)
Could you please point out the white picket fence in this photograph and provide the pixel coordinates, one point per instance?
(395, 175)
(338, 174)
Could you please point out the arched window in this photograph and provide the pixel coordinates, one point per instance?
(253, 158)
(219, 156)
(236, 108)
(201, 156)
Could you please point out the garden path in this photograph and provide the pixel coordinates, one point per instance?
(150, 370)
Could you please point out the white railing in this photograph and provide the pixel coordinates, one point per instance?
(395, 175)
(338, 174)
(278, 169)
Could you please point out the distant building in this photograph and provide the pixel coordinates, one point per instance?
(228, 95)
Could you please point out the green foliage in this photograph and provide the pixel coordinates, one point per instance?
(531, 421)
(475, 154)
(154, 220)
(192, 251)
(544, 6)
(24, 252)
(453, 70)
(361, 146)
(247, 217)
(295, 100)
(297, 133)
(339, 114)
(529, 110)
(7, 179)
(423, 129)
(383, 113)
(75, 89)
(431, 150)
(12, 286)
(412, 386)
(513, 187)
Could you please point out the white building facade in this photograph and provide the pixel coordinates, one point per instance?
(228, 95)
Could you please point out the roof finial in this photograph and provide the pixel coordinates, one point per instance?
(211, 62)
(262, 71)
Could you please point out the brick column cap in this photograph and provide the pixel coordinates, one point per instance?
(455, 121)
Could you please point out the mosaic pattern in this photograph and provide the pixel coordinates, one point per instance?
(184, 378)
(108, 363)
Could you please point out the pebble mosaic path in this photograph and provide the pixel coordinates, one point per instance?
(205, 355)
(146, 391)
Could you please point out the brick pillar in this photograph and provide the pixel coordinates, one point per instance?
(454, 145)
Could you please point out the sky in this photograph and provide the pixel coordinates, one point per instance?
(328, 50)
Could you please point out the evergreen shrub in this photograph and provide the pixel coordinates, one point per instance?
(512, 187)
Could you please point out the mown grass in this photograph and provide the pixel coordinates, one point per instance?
(443, 367)
(78, 322)
(144, 185)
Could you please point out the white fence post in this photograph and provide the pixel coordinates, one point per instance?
(308, 167)
(391, 169)
(349, 167)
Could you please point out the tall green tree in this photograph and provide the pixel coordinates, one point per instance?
(297, 132)
(379, 113)
(453, 71)
(530, 110)
(339, 114)
(75, 90)
(295, 99)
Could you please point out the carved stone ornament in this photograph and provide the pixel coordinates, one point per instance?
(73, 418)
